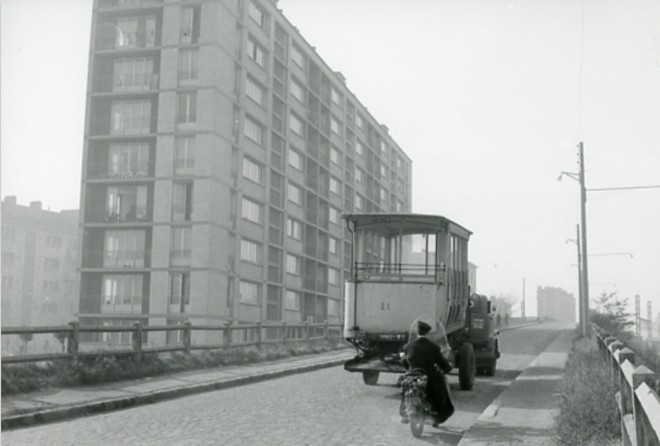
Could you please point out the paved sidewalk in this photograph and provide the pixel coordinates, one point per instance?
(524, 413)
(56, 404)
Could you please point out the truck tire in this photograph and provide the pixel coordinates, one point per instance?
(466, 366)
(370, 377)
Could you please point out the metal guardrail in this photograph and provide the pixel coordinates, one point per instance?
(74, 329)
(639, 403)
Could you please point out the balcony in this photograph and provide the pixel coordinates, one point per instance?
(105, 4)
(124, 258)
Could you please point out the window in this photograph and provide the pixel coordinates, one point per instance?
(293, 229)
(256, 52)
(383, 170)
(121, 289)
(184, 152)
(179, 288)
(130, 117)
(359, 148)
(249, 292)
(335, 156)
(9, 233)
(252, 171)
(251, 211)
(294, 193)
(359, 202)
(334, 215)
(383, 147)
(333, 307)
(257, 14)
(124, 249)
(254, 130)
(255, 91)
(335, 187)
(186, 107)
(188, 64)
(135, 32)
(295, 159)
(399, 206)
(360, 121)
(335, 96)
(383, 194)
(128, 160)
(333, 276)
(53, 241)
(359, 175)
(132, 74)
(297, 56)
(296, 124)
(334, 125)
(182, 201)
(297, 90)
(293, 265)
(250, 251)
(126, 203)
(292, 300)
(190, 24)
(333, 245)
(181, 245)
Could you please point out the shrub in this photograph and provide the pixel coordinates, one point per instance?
(588, 413)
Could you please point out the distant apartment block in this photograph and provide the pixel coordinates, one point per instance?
(220, 153)
(39, 261)
(555, 304)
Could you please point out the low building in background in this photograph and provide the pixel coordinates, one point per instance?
(39, 267)
(555, 304)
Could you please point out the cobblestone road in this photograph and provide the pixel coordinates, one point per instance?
(326, 407)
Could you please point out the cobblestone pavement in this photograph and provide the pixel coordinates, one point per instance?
(326, 407)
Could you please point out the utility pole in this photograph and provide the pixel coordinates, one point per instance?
(582, 316)
(584, 298)
(522, 308)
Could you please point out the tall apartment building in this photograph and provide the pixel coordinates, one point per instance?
(555, 303)
(39, 260)
(220, 152)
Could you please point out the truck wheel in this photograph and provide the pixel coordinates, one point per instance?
(370, 377)
(466, 366)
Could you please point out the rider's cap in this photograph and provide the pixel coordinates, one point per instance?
(422, 328)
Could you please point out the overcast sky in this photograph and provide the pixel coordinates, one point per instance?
(489, 98)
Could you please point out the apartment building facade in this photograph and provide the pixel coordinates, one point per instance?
(220, 152)
(39, 261)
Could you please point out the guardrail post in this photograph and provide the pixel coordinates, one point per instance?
(284, 333)
(187, 336)
(642, 374)
(73, 341)
(259, 340)
(306, 330)
(137, 340)
(326, 331)
(227, 334)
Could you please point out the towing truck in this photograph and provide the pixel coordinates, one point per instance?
(405, 266)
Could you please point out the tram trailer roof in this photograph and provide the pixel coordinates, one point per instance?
(389, 223)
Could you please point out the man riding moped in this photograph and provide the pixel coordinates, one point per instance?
(422, 353)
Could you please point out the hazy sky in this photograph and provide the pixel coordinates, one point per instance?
(489, 98)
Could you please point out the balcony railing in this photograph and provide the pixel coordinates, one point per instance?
(124, 258)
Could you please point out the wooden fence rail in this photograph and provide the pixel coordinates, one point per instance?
(138, 349)
(637, 397)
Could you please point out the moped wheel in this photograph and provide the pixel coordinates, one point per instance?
(417, 425)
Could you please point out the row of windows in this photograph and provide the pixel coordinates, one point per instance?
(250, 293)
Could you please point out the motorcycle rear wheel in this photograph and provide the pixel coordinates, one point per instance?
(417, 425)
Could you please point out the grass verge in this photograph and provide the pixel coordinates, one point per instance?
(22, 378)
(588, 412)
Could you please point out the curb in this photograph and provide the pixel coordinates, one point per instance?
(77, 410)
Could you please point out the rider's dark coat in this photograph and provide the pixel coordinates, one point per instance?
(425, 354)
